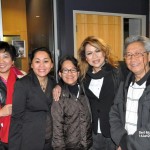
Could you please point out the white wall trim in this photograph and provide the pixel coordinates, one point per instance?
(56, 50)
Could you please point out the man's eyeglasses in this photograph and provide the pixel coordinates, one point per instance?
(65, 71)
(136, 55)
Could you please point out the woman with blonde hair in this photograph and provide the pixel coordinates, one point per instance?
(101, 45)
(101, 78)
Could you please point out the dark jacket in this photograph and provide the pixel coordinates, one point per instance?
(3, 93)
(100, 107)
(30, 109)
(140, 140)
(71, 122)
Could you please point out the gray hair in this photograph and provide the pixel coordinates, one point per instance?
(137, 38)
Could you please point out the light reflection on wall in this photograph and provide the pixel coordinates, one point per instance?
(10, 38)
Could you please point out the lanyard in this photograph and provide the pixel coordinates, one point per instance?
(78, 92)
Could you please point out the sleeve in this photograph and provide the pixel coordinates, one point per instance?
(116, 113)
(58, 125)
(18, 110)
(138, 141)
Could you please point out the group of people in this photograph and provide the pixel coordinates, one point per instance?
(95, 106)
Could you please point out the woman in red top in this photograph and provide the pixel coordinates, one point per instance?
(8, 76)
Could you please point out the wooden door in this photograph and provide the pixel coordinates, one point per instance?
(106, 27)
(14, 23)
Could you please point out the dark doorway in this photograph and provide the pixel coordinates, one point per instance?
(40, 24)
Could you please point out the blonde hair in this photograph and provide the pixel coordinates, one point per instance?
(98, 44)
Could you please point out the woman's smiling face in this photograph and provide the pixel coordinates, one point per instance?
(41, 64)
(69, 73)
(95, 57)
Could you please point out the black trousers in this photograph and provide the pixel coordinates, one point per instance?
(102, 143)
(48, 146)
(3, 146)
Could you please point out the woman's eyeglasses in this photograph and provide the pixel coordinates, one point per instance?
(65, 71)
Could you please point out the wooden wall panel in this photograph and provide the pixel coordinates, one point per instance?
(80, 18)
(106, 27)
(80, 34)
(92, 29)
(15, 23)
(91, 19)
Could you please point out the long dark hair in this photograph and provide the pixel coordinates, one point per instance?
(44, 49)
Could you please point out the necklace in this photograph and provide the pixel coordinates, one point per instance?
(44, 84)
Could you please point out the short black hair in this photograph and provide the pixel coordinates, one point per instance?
(44, 49)
(67, 57)
(60, 63)
(6, 47)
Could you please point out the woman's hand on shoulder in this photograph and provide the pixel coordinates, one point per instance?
(56, 93)
(6, 110)
(119, 148)
(23, 74)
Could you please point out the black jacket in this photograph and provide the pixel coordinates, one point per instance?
(71, 122)
(3, 93)
(100, 107)
(30, 109)
(140, 140)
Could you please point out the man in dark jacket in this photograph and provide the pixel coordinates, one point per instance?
(130, 114)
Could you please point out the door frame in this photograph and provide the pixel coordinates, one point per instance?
(133, 16)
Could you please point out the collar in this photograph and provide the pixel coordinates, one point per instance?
(142, 80)
(35, 79)
(71, 91)
(106, 68)
(131, 78)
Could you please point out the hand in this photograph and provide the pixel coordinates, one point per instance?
(6, 110)
(119, 148)
(56, 93)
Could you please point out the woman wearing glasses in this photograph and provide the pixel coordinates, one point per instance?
(130, 114)
(71, 114)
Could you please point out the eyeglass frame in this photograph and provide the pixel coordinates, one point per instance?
(136, 55)
(73, 70)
